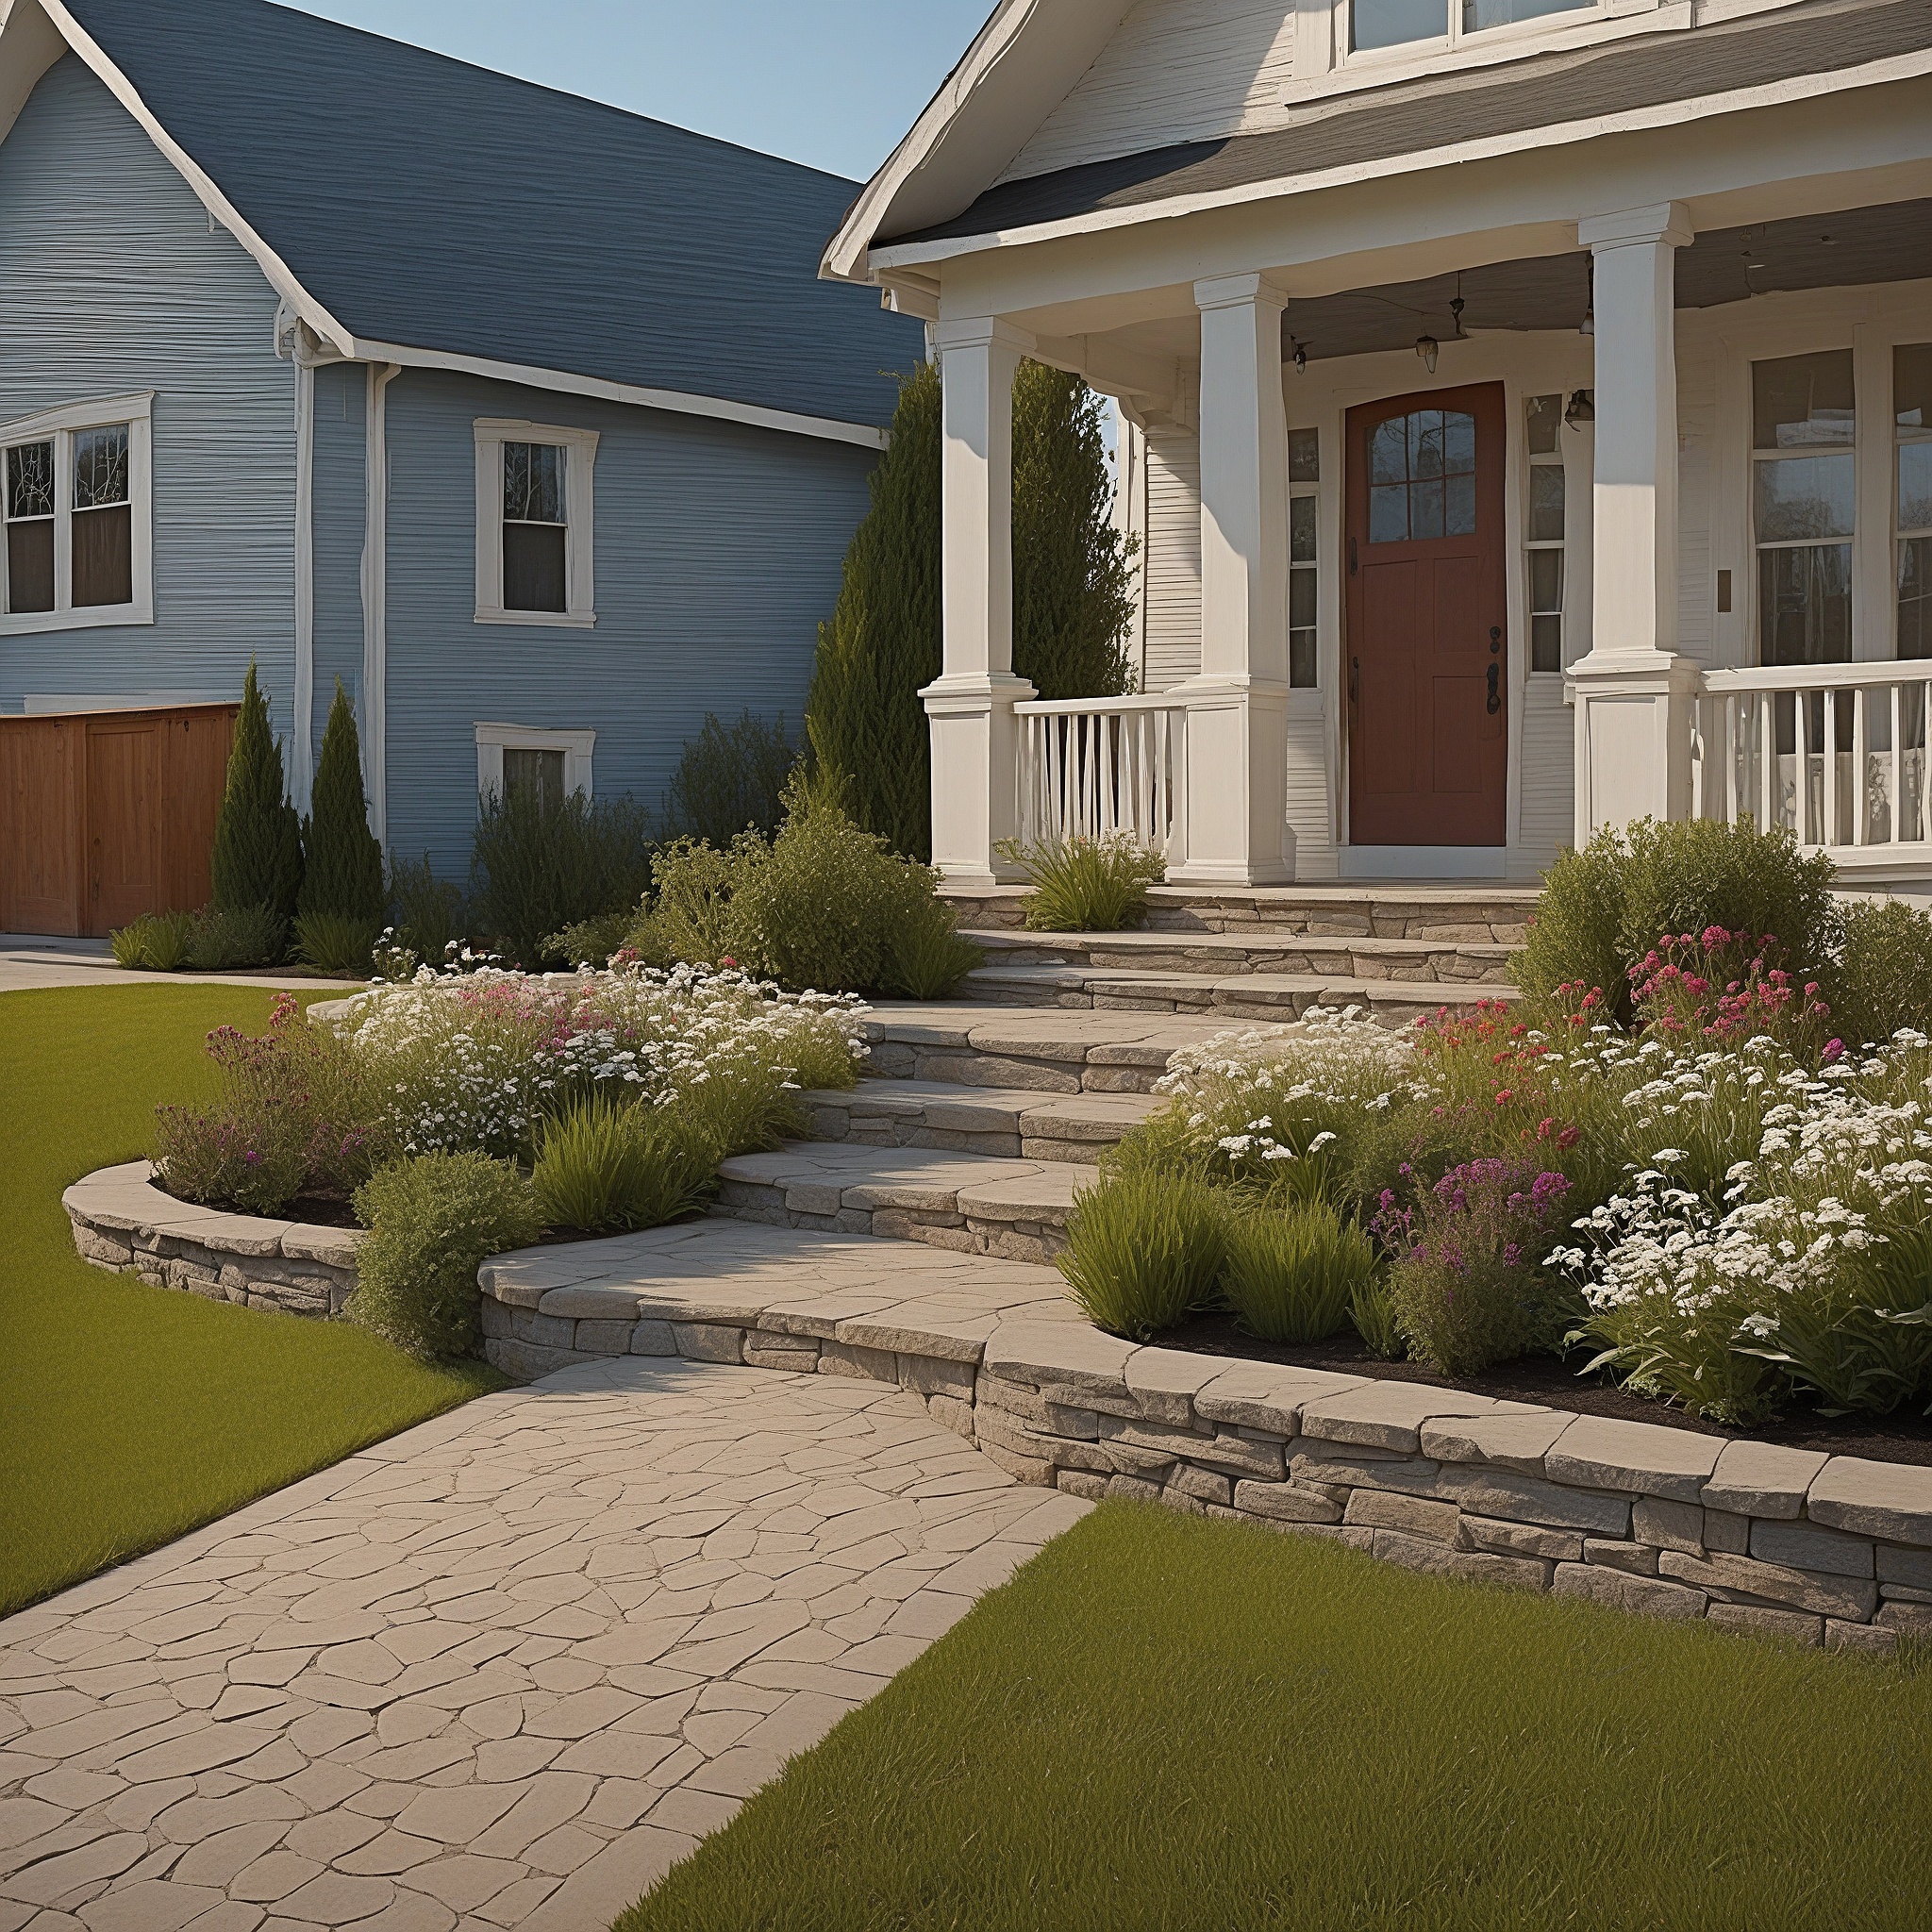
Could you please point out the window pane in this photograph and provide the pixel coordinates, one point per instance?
(532, 483)
(1301, 529)
(1544, 417)
(1477, 15)
(1389, 451)
(1804, 604)
(1458, 507)
(1798, 401)
(1304, 456)
(30, 480)
(1546, 580)
(30, 566)
(1546, 503)
(103, 556)
(1546, 644)
(1915, 486)
(1389, 513)
(1911, 385)
(100, 468)
(1390, 23)
(1426, 442)
(533, 556)
(1301, 659)
(1915, 598)
(1301, 599)
(1426, 510)
(1806, 497)
(534, 772)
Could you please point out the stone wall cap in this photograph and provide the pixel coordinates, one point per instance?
(1763, 1479)
(1513, 1436)
(306, 1241)
(585, 1302)
(1268, 1395)
(1606, 1453)
(1887, 1499)
(1387, 1414)
(1068, 1353)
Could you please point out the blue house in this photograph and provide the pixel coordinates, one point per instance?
(526, 418)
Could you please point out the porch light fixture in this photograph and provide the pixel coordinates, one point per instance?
(1427, 347)
(1587, 326)
(1300, 357)
(1582, 408)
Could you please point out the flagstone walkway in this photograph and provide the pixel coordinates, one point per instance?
(499, 1671)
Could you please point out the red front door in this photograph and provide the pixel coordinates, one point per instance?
(1427, 660)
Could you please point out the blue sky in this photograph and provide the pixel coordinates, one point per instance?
(833, 83)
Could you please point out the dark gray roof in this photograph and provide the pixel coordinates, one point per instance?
(433, 204)
(1813, 38)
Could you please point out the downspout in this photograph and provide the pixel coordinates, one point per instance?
(375, 601)
(294, 341)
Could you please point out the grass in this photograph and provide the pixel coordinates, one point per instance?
(1175, 1723)
(131, 1414)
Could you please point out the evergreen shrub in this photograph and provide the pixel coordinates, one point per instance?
(542, 864)
(428, 913)
(257, 856)
(341, 863)
(730, 777)
(224, 937)
(337, 942)
(1883, 978)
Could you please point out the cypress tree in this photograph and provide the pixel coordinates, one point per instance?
(1072, 570)
(257, 857)
(863, 715)
(341, 863)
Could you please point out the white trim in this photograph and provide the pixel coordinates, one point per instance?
(302, 758)
(1420, 160)
(375, 732)
(493, 739)
(580, 529)
(59, 424)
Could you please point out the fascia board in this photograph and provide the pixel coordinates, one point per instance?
(1666, 114)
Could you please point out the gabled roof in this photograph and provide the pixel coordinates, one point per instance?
(401, 200)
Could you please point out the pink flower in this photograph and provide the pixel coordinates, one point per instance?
(1834, 1052)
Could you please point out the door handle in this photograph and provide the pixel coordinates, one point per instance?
(1355, 680)
(1495, 696)
(1495, 639)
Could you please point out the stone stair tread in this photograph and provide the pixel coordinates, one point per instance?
(821, 1176)
(1326, 988)
(1072, 1034)
(946, 1104)
(1163, 940)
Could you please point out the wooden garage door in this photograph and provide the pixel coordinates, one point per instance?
(42, 874)
(124, 844)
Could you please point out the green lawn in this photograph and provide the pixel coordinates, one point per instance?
(1168, 1721)
(129, 1414)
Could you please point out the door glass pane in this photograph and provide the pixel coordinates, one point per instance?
(1304, 456)
(1426, 510)
(1389, 513)
(1806, 497)
(1546, 503)
(100, 467)
(1389, 451)
(1915, 486)
(30, 480)
(1800, 401)
(1392, 23)
(537, 774)
(1422, 472)
(1804, 604)
(1543, 417)
(1301, 529)
(1477, 15)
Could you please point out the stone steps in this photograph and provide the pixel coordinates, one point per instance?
(1237, 999)
(1006, 1122)
(975, 1204)
(1404, 961)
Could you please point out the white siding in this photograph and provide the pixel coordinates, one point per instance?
(1310, 790)
(1174, 556)
(1549, 777)
(1177, 70)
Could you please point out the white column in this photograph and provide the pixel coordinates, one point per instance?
(1634, 693)
(974, 734)
(1237, 753)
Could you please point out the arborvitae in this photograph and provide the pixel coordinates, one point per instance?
(863, 715)
(1072, 570)
(257, 857)
(341, 863)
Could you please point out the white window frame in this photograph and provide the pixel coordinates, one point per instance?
(59, 427)
(1900, 439)
(579, 513)
(1313, 492)
(493, 739)
(1558, 460)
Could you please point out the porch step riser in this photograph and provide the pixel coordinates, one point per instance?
(1233, 1002)
(966, 1067)
(1006, 1126)
(1448, 916)
(1471, 965)
(1037, 1241)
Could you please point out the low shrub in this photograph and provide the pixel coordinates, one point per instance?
(225, 936)
(1144, 1251)
(337, 942)
(689, 918)
(929, 958)
(1372, 1309)
(542, 864)
(433, 1221)
(1466, 1282)
(591, 941)
(1883, 978)
(157, 942)
(430, 913)
(730, 777)
(604, 1165)
(1291, 1276)
(1086, 885)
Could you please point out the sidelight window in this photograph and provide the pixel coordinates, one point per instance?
(1304, 475)
(534, 523)
(1544, 544)
(1911, 403)
(1803, 497)
(74, 499)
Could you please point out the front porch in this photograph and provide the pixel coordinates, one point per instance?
(1453, 556)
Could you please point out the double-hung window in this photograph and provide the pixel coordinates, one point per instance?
(1377, 24)
(1912, 403)
(534, 523)
(1543, 542)
(1304, 479)
(534, 761)
(1804, 493)
(75, 487)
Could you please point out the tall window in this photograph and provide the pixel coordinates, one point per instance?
(534, 523)
(1803, 430)
(1911, 402)
(1421, 476)
(1304, 475)
(1397, 22)
(534, 528)
(74, 500)
(1544, 421)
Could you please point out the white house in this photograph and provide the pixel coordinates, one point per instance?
(1535, 403)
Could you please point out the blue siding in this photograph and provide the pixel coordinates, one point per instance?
(718, 551)
(110, 282)
(340, 414)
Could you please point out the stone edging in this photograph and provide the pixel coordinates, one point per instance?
(123, 1221)
(1751, 1536)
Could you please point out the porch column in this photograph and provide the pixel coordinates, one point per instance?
(1634, 693)
(1237, 751)
(975, 795)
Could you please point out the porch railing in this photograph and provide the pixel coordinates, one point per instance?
(1835, 752)
(1091, 767)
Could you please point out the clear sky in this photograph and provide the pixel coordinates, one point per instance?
(832, 83)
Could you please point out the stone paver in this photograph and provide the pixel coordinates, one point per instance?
(499, 1672)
